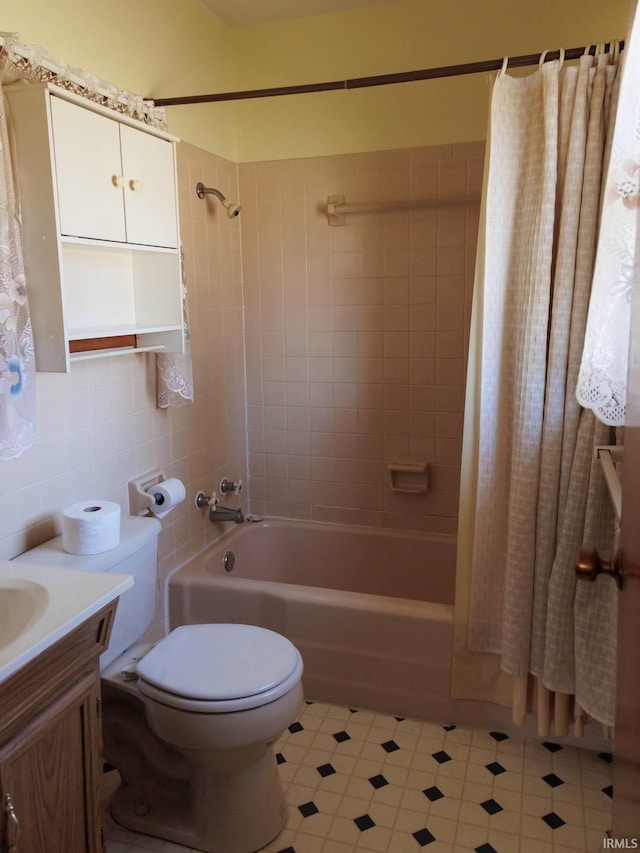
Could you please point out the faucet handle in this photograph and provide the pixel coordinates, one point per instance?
(227, 486)
(203, 500)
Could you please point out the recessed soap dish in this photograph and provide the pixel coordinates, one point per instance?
(410, 478)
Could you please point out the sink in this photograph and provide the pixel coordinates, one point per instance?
(40, 604)
(22, 603)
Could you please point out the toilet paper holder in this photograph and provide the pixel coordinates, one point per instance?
(141, 496)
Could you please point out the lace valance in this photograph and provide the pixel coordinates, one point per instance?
(34, 64)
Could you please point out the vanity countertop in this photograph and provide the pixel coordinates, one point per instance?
(40, 604)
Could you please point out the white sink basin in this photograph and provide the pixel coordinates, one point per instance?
(22, 603)
(40, 604)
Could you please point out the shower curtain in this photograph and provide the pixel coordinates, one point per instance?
(531, 489)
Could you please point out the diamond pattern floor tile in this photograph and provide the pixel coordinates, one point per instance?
(357, 780)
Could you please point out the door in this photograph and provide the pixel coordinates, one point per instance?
(626, 768)
(88, 171)
(48, 778)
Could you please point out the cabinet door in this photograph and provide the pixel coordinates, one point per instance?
(149, 188)
(49, 772)
(89, 175)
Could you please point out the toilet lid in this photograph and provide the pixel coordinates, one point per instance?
(217, 662)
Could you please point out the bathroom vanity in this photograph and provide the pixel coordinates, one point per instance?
(51, 638)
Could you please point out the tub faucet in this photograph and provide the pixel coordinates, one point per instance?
(225, 513)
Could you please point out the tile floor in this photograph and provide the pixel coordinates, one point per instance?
(358, 780)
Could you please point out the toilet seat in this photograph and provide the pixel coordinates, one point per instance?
(218, 668)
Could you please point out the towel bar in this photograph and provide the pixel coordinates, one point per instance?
(610, 455)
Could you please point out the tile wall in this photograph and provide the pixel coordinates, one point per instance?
(355, 341)
(356, 335)
(98, 426)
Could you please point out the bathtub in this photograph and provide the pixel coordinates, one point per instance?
(370, 610)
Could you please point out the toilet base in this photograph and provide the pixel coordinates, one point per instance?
(243, 811)
(206, 781)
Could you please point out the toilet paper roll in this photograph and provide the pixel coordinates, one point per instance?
(167, 495)
(90, 527)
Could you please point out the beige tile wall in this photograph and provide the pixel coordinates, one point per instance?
(356, 335)
(355, 343)
(212, 442)
(98, 427)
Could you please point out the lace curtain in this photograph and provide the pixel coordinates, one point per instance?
(17, 358)
(174, 371)
(602, 382)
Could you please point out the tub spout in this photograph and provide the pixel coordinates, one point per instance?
(225, 513)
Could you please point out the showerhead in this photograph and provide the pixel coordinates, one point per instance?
(232, 208)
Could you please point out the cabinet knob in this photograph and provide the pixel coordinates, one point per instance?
(13, 825)
(134, 185)
(117, 180)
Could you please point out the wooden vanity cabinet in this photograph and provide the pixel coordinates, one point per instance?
(51, 746)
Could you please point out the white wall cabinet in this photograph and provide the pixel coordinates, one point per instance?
(114, 182)
(100, 228)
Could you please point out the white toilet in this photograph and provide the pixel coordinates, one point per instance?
(191, 721)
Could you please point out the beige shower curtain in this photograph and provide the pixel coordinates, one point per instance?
(531, 490)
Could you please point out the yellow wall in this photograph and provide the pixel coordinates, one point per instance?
(162, 47)
(150, 47)
(401, 36)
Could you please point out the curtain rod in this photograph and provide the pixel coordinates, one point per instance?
(381, 79)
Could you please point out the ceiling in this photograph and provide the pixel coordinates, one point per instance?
(243, 12)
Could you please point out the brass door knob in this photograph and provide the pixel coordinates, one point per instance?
(589, 564)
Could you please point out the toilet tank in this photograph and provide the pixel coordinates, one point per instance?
(136, 555)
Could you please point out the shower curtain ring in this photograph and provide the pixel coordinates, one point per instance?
(543, 57)
(614, 51)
